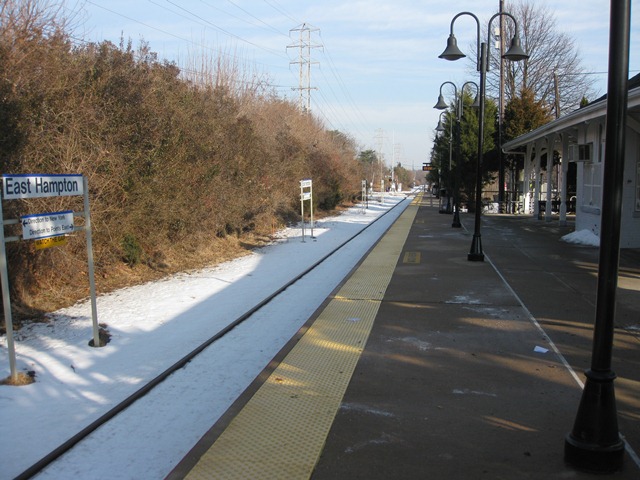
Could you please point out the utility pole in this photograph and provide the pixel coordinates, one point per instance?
(556, 90)
(379, 138)
(304, 46)
(398, 154)
(501, 177)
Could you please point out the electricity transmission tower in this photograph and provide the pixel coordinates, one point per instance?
(304, 46)
(379, 138)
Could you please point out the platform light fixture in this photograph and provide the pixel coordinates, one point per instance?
(452, 52)
(441, 104)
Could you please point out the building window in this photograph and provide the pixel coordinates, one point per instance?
(592, 184)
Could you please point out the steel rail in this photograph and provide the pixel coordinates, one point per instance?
(144, 390)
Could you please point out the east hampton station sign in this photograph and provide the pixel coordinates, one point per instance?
(33, 186)
(47, 229)
(43, 225)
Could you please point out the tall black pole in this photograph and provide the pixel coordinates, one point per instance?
(594, 444)
(456, 179)
(449, 177)
(475, 253)
(501, 179)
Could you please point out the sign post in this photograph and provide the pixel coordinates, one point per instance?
(47, 229)
(92, 282)
(6, 299)
(306, 193)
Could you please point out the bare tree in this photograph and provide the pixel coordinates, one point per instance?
(553, 71)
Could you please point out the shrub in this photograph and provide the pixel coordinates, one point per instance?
(132, 251)
(181, 161)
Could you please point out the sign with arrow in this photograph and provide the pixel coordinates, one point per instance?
(43, 225)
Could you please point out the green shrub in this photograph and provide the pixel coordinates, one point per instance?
(132, 251)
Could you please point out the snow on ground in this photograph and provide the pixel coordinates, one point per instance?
(153, 326)
(582, 237)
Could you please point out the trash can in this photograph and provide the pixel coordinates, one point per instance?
(542, 207)
(445, 201)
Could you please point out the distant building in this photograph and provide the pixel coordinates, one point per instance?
(580, 137)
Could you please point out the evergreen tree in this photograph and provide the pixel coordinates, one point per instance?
(523, 114)
(464, 165)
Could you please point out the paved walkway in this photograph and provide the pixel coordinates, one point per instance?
(459, 378)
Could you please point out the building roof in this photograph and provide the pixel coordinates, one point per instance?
(633, 82)
(596, 109)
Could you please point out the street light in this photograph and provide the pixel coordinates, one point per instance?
(441, 129)
(441, 105)
(594, 443)
(452, 52)
(440, 126)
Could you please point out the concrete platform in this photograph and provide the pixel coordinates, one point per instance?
(460, 376)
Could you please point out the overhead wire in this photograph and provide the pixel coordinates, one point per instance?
(280, 10)
(343, 87)
(192, 42)
(222, 30)
(358, 123)
(270, 27)
(339, 105)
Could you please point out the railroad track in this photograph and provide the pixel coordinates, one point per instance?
(69, 444)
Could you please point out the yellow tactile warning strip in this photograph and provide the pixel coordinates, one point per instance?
(281, 430)
(411, 257)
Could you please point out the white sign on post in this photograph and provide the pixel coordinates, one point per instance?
(304, 196)
(41, 226)
(365, 197)
(19, 186)
(44, 225)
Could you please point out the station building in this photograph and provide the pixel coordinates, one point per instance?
(579, 138)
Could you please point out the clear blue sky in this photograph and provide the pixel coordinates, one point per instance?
(378, 70)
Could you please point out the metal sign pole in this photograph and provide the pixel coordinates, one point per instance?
(6, 300)
(311, 206)
(302, 209)
(92, 282)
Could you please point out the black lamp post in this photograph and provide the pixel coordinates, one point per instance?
(441, 105)
(452, 52)
(594, 444)
(451, 187)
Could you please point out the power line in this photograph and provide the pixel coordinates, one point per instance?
(353, 115)
(270, 27)
(204, 47)
(339, 104)
(344, 89)
(222, 30)
(280, 10)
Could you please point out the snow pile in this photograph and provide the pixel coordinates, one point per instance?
(582, 237)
